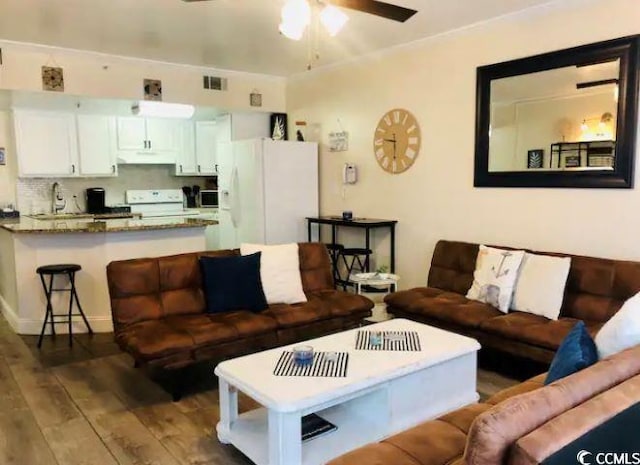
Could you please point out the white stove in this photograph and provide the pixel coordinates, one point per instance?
(159, 203)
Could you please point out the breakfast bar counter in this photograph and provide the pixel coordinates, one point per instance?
(27, 243)
(28, 225)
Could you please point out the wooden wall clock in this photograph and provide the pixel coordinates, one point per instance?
(396, 141)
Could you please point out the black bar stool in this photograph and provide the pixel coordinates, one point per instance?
(59, 270)
(335, 250)
(359, 262)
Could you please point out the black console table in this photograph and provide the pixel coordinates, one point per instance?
(363, 223)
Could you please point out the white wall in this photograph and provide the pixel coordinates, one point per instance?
(107, 76)
(435, 79)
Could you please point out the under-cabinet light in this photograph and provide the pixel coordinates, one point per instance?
(162, 109)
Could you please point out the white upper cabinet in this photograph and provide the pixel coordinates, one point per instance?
(148, 140)
(163, 135)
(224, 128)
(206, 143)
(186, 164)
(197, 156)
(96, 144)
(132, 134)
(67, 144)
(46, 143)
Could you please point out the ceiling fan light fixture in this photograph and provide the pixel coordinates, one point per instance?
(333, 19)
(606, 118)
(584, 127)
(292, 31)
(296, 16)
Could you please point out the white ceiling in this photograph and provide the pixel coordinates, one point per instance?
(228, 34)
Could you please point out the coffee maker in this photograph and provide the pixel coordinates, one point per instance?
(95, 200)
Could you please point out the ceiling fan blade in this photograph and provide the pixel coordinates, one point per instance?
(374, 7)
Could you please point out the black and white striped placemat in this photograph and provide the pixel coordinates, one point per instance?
(320, 368)
(407, 341)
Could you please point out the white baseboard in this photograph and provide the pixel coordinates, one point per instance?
(9, 314)
(98, 325)
(33, 326)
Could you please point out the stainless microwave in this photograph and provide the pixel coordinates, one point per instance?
(208, 199)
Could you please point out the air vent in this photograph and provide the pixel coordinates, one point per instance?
(215, 83)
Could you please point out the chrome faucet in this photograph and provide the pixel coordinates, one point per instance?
(58, 203)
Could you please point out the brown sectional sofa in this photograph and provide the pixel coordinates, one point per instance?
(158, 310)
(596, 289)
(523, 425)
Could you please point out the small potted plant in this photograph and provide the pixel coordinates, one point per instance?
(382, 270)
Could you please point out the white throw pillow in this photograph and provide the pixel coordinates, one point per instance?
(540, 285)
(494, 277)
(622, 330)
(279, 272)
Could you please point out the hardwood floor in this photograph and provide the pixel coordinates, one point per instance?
(89, 406)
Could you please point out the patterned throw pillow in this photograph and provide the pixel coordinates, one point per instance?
(495, 276)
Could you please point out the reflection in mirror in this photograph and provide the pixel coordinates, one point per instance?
(562, 119)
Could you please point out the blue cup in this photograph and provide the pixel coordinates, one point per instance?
(303, 355)
(375, 338)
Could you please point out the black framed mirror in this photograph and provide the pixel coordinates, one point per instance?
(561, 119)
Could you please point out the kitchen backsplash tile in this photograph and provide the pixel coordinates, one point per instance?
(34, 194)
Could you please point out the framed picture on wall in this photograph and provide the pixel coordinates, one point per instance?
(152, 89)
(535, 158)
(278, 126)
(338, 141)
(3, 160)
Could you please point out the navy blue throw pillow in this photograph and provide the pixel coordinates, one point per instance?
(233, 283)
(577, 351)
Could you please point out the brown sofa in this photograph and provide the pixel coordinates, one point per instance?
(596, 288)
(158, 310)
(523, 425)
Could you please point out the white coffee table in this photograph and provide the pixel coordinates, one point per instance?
(383, 393)
(385, 280)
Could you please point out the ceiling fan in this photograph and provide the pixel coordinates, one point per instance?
(374, 7)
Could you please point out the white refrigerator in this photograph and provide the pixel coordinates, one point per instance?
(267, 189)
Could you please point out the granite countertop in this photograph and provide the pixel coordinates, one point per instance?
(26, 225)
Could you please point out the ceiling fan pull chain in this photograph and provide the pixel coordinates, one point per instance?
(316, 48)
(310, 45)
(314, 41)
